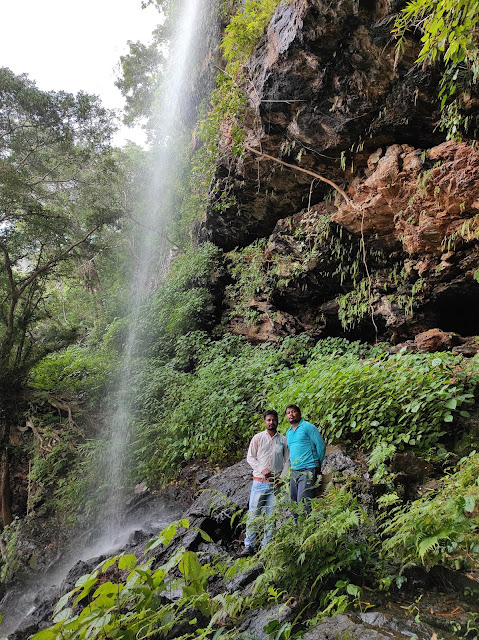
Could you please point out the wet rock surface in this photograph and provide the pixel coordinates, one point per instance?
(322, 79)
(30, 599)
(323, 89)
(226, 493)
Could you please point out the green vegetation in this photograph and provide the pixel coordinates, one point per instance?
(60, 204)
(245, 30)
(441, 527)
(59, 189)
(354, 393)
(346, 556)
(448, 31)
(403, 399)
(190, 415)
(126, 598)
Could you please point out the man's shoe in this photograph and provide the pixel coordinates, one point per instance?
(246, 552)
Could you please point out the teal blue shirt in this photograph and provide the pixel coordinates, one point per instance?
(306, 446)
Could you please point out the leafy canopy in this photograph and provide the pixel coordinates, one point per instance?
(59, 185)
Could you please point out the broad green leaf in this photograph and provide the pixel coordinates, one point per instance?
(62, 602)
(63, 615)
(191, 568)
(107, 589)
(451, 404)
(469, 504)
(204, 535)
(127, 562)
(87, 587)
(108, 563)
(82, 580)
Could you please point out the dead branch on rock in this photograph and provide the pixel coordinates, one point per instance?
(349, 202)
(307, 171)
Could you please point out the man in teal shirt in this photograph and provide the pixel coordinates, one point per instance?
(306, 452)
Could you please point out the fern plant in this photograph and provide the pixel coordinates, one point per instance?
(330, 545)
(449, 34)
(441, 527)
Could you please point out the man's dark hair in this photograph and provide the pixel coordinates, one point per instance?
(293, 406)
(270, 412)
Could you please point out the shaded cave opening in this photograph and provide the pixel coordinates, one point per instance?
(457, 310)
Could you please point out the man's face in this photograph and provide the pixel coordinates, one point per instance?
(271, 422)
(293, 416)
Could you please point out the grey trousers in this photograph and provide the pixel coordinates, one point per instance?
(302, 486)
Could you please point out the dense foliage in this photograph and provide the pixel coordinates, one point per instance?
(193, 404)
(448, 34)
(59, 188)
(345, 555)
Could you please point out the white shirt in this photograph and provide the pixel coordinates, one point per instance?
(266, 452)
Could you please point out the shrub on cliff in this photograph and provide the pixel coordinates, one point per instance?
(403, 399)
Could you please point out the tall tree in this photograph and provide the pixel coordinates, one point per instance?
(59, 187)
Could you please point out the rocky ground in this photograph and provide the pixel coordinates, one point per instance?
(429, 609)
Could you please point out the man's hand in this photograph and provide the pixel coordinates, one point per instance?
(266, 473)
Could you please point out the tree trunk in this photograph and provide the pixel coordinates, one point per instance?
(5, 490)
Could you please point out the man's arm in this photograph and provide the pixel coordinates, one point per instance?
(317, 442)
(252, 453)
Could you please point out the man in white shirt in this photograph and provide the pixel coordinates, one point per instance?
(268, 456)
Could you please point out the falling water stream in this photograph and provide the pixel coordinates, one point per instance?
(152, 237)
(187, 46)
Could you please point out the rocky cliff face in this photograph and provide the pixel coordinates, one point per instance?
(326, 93)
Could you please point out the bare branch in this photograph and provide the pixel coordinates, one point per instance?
(296, 168)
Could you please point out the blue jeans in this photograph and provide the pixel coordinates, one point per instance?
(303, 485)
(262, 499)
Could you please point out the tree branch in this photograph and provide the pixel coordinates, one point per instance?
(306, 171)
(55, 259)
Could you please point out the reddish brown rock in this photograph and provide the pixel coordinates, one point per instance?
(433, 340)
(409, 201)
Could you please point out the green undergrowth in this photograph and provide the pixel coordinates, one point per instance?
(442, 526)
(403, 399)
(206, 402)
(344, 556)
(125, 597)
(212, 411)
(77, 370)
(71, 388)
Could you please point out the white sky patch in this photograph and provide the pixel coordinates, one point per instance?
(74, 46)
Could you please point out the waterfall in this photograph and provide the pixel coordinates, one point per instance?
(187, 50)
(154, 254)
